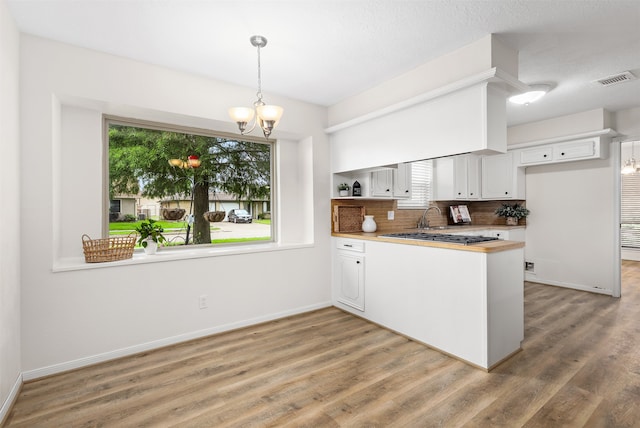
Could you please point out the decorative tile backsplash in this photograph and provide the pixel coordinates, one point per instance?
(482, 213)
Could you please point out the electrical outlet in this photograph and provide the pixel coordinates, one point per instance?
(529, 267)
(390, 215)
(202, 302)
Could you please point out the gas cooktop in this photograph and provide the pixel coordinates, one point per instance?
(440, 237)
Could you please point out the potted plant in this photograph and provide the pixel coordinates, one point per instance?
(512, 213)
(150, 236)
(343, 188)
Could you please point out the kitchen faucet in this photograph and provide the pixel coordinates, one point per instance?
(423, 223)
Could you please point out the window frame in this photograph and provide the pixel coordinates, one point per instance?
(107, 120)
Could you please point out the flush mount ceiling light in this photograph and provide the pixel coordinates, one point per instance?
(534, 94)
(267, 116)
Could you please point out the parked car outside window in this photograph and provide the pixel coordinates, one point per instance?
(239, 216)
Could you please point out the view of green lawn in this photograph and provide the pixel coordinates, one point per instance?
(125, 228)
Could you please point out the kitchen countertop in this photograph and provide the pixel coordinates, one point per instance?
(481, 247)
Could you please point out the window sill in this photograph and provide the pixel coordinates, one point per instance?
(167, 255)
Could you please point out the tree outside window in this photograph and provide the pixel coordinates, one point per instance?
(139, 164)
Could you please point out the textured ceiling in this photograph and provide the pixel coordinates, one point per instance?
(325, 51)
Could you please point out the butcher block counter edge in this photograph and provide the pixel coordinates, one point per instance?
(481, 247)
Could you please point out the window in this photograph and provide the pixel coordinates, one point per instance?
(630, 210)
(189, 180)
(114, 206)
(421, 193)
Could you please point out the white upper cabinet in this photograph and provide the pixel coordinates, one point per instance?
(582, 149)
(501, 178)
(382, 183)
(402, 181)
(457, 177)
(392, 183)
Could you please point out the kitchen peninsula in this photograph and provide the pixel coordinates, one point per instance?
(464, 300)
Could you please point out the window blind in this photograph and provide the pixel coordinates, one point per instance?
(630, 211)
(421, 173)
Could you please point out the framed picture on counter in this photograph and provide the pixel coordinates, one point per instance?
(460, 214)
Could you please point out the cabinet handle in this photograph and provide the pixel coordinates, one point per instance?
(506, 193)
(348, 245)
(358, 262)
(406, 191)
(387, 190)
(471, 193)
(544, 156)
(459, 193)
(562, 154)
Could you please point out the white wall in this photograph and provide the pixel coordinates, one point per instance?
(10, 213)
(73, 318)
(570, 232)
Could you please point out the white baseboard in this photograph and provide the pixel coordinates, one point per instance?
(13, 394)
(532, 278)
(118, 353)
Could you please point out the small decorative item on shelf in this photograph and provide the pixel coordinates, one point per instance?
(512, 213)
(357, 189)
(369, 224)
(150, 236)
(343, 188)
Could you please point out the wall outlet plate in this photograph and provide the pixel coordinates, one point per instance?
(390, 215)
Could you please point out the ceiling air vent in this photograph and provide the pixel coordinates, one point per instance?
(614, 80)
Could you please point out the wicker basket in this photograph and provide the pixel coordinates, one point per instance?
(108, 249)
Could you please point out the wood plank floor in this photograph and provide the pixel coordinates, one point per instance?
(580, 367)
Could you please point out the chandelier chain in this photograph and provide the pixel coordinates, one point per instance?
(259, 93)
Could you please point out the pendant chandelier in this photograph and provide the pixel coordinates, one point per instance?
(631, 166)
(267, 116)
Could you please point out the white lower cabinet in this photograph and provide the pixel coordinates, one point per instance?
(348, 273)
(467, 304)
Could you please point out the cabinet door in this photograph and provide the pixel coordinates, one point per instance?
(382, 183)
(536, 155)
(402, 181)
(350, 278)
(473, 177)
(460, 177)
(575, 150)
(443, 180)
(498, 177)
